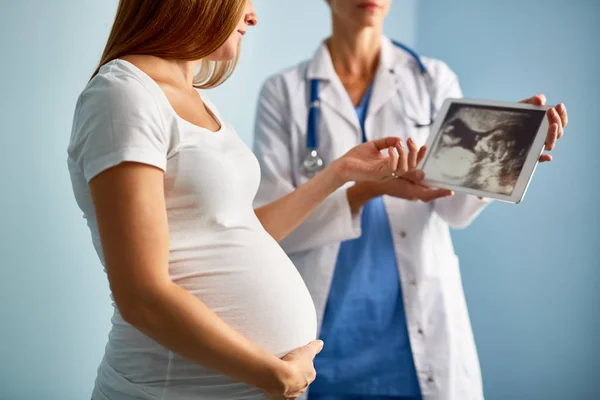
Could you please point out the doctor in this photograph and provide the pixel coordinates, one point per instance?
(377, 258)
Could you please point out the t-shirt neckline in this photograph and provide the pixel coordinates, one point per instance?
(156, 88)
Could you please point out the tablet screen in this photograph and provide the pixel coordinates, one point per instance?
(483, 147)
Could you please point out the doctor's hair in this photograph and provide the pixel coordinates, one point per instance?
(177, 29)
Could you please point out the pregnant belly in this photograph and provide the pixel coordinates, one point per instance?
(247, 279)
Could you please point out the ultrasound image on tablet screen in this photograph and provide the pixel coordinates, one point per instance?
(483, 147)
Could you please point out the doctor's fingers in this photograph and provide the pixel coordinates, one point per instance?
(558, 115)
(553, 135)
(564, 115)
(550, 142)
(415, 176)
(537, 100)
(429, 195)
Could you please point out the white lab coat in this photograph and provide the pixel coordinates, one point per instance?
(438, 322)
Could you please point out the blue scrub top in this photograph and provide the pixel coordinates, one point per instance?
(367, 350)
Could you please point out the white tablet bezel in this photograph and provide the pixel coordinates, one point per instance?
(529, 166)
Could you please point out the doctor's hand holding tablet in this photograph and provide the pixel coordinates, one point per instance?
(486, 148)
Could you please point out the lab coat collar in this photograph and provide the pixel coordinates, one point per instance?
(386, 79)
(321, 66)
(333, 93)
(331, 89)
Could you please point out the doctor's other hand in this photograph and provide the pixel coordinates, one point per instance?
(558, 119)
(366, 162)
(297, 372)
(406, 187)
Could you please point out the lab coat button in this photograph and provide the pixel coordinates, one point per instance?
(403, 234)
(420, 331)
(430, 379)
(413, 282)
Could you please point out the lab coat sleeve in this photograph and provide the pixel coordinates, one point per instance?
(332, 221)
(459, 210)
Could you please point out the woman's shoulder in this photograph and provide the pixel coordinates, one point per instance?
(119, 86)
(117, 94)
(117, 106)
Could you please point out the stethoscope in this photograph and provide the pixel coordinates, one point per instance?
(313, 162)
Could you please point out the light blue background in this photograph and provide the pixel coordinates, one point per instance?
(530, 271)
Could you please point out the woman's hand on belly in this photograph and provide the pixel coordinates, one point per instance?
(298, 373)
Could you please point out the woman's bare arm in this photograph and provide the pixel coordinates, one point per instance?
(132, 220)
(363, 163)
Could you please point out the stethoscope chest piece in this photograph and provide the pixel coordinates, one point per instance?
(312, 163)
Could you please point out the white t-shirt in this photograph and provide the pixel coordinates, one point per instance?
(218, 251)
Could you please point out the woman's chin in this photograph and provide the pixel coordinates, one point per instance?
(225, 53)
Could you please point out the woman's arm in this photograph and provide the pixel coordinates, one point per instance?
(331, 221)
(132, 221)
(363, 163)
(282, 216)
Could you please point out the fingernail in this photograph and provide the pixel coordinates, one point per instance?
(321, 343)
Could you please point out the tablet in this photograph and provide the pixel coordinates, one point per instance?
(485, 148)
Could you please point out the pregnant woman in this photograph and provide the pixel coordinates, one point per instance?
(208, 306)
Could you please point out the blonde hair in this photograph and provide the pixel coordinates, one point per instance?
(177, 29)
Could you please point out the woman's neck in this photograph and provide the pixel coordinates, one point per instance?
(354, 52)
(176, 73)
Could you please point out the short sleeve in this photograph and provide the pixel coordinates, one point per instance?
(117, 119)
